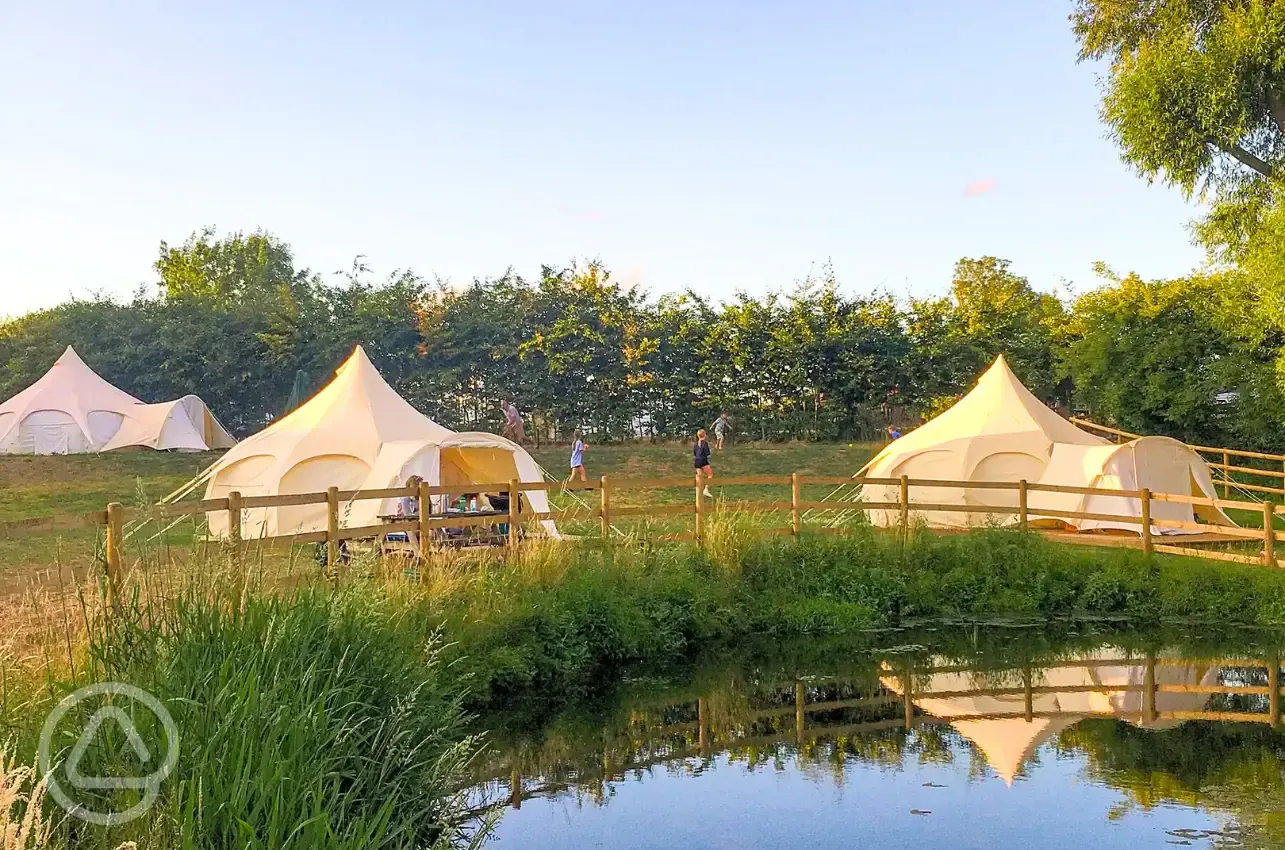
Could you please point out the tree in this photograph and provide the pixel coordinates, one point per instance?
(997, 312)
(1170, 357)
(1195, 96)
(1196, 93)
(235, 268)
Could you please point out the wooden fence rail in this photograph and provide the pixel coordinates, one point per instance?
(1219, 454)
(903, 492)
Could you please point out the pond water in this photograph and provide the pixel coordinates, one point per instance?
(951, 738)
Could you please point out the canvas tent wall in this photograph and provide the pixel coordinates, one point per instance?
(358, 433)
(184, 425)
(1001, 432)
(998, 432)
(71, 410)
(1158, 464)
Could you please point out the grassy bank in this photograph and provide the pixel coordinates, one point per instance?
(556, 626)
(69, 484)
(322, 718)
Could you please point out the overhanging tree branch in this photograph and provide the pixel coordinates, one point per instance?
(1243, 156)
(1276, 107)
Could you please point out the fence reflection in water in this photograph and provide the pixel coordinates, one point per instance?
(1004, 714)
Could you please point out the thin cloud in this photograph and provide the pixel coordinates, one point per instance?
(979, 187)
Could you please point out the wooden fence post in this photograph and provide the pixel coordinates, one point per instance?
(1148, 545)
(1028, 694)
(700, 511)
(903, 499)
(514, 495)
(1149, 691)
(332, 532)
(702, 723)
(425, 510)
(1269, 534)
(1274, 690)
(907, 699)
(1226, 475)
(115, 538)
(234, 524)
(1022, 518)
(604, 508)
(796, 516)
(799, 695)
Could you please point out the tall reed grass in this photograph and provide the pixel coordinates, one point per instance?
(306, 718)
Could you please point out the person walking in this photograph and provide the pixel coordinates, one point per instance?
(700, 459)
(577, 457)
(513, 429)
(722, 429)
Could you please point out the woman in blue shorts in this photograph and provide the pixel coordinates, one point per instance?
(700, 458)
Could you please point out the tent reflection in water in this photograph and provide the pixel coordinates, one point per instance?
(357, 433)
(1001, 432)
(72, 410)
(996, 725)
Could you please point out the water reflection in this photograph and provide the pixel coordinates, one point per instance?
(1184, 741)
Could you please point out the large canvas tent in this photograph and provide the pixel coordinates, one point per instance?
(357, 433)
(1001, 432)
(72, 410)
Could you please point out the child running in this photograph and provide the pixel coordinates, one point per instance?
(700, 458)
(577, 457)
(721, 428)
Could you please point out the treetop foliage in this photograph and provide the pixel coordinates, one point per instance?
(234, 320)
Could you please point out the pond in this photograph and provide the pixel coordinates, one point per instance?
(957, 738)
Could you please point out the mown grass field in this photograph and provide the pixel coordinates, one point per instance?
(48, 486)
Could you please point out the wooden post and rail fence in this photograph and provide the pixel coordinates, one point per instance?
(1218, 459)
(1016, 510)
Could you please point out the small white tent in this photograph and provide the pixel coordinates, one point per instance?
(72, 410)
(1001, 432)
(1158, 464)
(357, 433)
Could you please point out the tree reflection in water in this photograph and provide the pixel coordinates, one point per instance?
(1164, 718)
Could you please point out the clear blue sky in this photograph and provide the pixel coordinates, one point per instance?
(717, 145)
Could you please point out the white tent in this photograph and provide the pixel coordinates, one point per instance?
(358, 433)
(1158, 464)
(72, 410)
(185, 424)
(1001, 432)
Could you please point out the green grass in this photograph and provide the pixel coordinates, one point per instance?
(611, 607)
(311, 720)
(69, 484)
(335, 716)
(47, 486)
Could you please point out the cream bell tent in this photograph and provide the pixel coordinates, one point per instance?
(1158, 464)
(182, 424)
(357, 433)
(1001, 432)
(71, 410)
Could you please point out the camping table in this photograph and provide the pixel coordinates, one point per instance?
(473, 535)
(399, 542)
